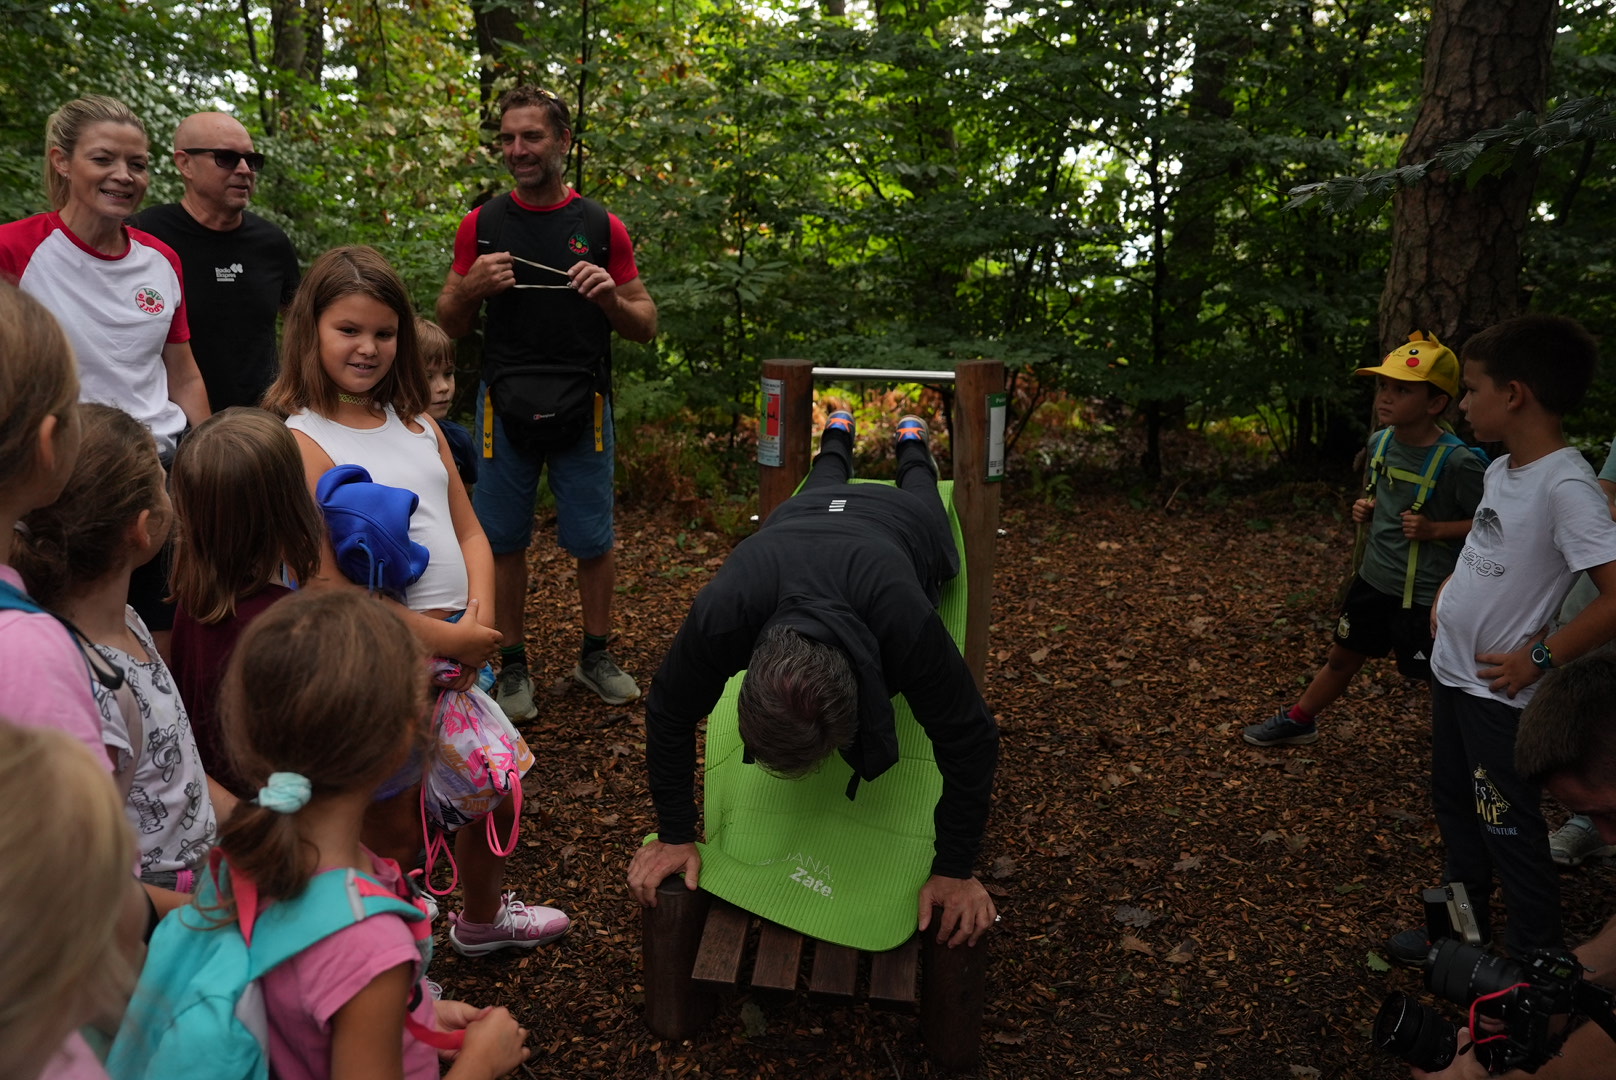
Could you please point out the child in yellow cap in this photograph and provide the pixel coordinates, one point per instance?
(1424, 484)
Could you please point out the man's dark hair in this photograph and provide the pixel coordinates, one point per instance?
(1550, 354)
(534, 97)
(1569, 728)
(798, 702)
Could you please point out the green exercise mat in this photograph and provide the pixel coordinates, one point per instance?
(799, 852)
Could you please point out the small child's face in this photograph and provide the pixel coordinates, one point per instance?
(440, 379)
(1485, 403)
(1401, 402)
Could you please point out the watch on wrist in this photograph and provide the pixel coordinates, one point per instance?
(1541, 656)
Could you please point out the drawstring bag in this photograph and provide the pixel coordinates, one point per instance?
(370, 530)
(479, 762)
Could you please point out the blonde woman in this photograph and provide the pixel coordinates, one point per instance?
(115, 290)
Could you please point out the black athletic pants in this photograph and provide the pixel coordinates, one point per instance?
(1491, 819)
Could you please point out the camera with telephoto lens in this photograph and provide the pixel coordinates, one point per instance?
(1520, 1010)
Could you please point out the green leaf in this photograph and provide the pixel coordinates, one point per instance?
(1375, 963)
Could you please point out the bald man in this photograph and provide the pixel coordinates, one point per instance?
(240, 271)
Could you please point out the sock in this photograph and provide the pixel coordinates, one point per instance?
(593, 644)
(512, 656)
(1301, 716)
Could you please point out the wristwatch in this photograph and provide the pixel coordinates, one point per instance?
(1541, 656)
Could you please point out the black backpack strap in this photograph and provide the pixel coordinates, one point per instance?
(491, 223)
(598, 228)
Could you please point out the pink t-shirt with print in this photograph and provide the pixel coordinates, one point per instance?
(303, 994)
(44, 681)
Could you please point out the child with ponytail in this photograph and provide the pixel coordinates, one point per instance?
(324, 699)
(112, 516)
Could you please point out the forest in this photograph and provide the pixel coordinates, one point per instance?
(1181, 225)
(1163, 216)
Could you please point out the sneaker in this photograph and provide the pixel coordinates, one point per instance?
(1411, 948)
(429, 904)
(600, 673)
(1280, 730)
(1577, 841)
(517, 926)
(435, 989)
(840, 420)
(513, 693)
(912, 428)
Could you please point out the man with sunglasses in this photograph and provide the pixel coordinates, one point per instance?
(240, 271)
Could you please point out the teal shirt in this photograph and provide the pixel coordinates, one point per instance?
(1455, 498)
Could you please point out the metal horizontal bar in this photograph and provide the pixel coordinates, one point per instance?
(882, 373)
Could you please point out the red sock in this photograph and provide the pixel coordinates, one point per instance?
(1301, 717)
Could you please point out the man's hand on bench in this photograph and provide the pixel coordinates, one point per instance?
(967, 909)
(655, 861)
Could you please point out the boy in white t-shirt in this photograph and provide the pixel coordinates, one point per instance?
(1542, 519)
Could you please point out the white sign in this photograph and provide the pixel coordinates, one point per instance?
(771, 430)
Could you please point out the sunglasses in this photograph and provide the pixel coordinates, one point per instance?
(228, 159)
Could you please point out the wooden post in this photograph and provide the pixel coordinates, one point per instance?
(977, 501)
(953, 989)
(671, 934)
(777, 482)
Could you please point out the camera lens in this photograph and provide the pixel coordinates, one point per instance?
(1415, 1034)
(1462, 973)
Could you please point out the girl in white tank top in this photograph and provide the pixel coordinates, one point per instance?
(353, 389)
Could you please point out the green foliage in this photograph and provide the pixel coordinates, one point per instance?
(1526, 136)
(1092, 192)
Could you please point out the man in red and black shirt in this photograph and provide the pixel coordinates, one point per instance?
(558, 278)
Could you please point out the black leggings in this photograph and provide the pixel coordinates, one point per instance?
(834, 466)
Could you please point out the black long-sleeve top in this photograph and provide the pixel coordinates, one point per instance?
(864, 578)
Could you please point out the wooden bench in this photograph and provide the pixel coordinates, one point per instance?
(695, 946)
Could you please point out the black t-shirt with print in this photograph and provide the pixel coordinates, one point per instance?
(236, 282)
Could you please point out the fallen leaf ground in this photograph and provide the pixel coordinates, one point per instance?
(1175, 902)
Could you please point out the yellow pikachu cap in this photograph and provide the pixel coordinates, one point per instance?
(1423, 359)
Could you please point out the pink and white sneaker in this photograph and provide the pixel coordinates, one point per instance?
(517, 926)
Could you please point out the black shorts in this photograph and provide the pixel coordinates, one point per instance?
(1374, 624)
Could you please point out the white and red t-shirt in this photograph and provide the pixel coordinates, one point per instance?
(118, 312)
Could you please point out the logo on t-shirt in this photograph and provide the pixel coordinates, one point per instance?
(149, 300)
(224, 275)
(578, 244)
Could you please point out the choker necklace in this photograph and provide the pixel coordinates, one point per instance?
(352, 399)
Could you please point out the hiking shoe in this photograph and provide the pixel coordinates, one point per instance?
(517, 926)
(912, 429)
(840, 420)
(600, 673)
(513, 693)
(1280, 730)
(1411, 948)
(1577, 841)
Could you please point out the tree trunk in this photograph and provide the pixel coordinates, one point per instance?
(495, 23)
(297, 32)
(1456, 249)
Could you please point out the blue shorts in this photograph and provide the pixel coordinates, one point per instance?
(580, 476)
